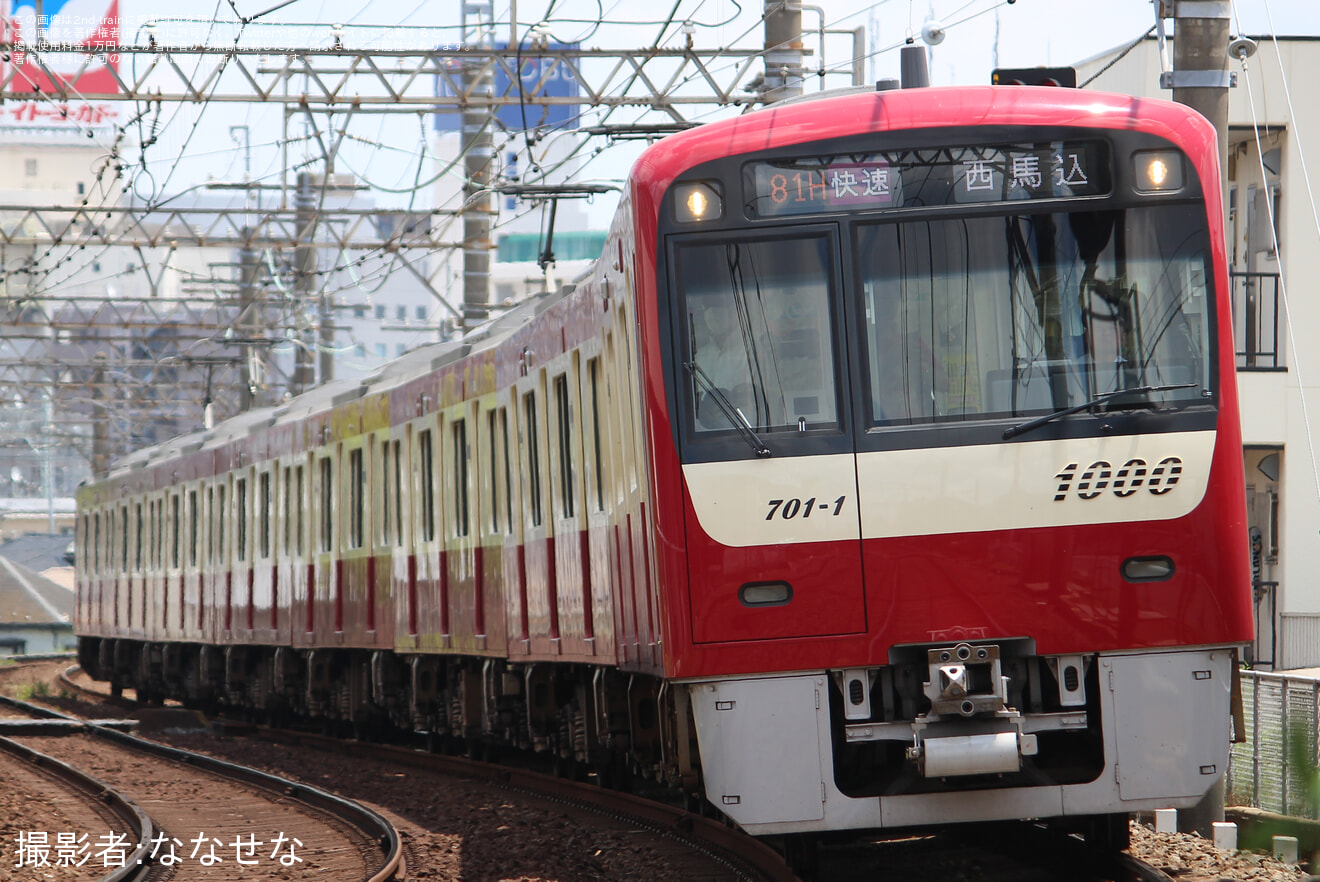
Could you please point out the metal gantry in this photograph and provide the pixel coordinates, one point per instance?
(118, 363)
(672, 80)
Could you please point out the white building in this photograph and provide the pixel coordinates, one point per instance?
(1274, 233)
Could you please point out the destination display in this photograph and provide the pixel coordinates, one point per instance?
(927, 177)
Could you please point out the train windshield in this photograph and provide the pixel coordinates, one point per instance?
(969, 318)
(759, 347)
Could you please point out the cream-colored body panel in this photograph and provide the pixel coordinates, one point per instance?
(931, 490)
(735, 501)
(1019, 485)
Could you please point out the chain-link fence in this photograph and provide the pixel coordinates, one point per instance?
(1275, 768)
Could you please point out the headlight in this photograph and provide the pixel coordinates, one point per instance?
(1158, 171)
(697, 201)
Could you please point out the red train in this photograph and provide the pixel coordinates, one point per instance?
(884, 471)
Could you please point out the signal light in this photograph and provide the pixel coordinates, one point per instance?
(1065, 77)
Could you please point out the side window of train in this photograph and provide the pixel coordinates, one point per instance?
(299, 506)
(221, 518)
(531, 457)
(460, 460)
(137, 533)
(385, 518)
(508, 470)
(263, 515)
(194, 520)
(492, 469)
(564, 438)
(327, 504)
(241, 520)
(286, 513)
(176, 522)
(397, 472)
(426, 484)
(628, 406)
(597, 447)
(157, 529)
(357, 493)
(123, 539)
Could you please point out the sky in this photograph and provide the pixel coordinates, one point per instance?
(194, 145)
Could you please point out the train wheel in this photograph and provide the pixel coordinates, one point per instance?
(1109, 833)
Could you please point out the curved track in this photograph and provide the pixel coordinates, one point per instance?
(222, 809)
(100, 799)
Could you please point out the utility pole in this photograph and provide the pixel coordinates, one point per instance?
(1200, 77)
(100, 421)
(783, 50)
(304, 280)
(252, 327)
(478, 160)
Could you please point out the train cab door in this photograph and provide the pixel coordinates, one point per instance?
(769, 465)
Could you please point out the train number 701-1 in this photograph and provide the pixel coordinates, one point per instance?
(791, 508)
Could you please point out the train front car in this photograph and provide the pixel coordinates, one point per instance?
(953, 432)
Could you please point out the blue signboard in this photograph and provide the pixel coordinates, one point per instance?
(559, 83)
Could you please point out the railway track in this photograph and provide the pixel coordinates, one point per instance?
(700, 848)
(29, 774)
(206, 818)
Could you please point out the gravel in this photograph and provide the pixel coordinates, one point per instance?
(1191, 858)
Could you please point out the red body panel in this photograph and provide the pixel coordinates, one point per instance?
(1059, 585)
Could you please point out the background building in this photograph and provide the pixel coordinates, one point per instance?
(1273, 231)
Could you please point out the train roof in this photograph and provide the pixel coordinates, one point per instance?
(318, 399)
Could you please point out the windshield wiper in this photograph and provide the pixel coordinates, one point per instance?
(1020, 428)
(731, 413)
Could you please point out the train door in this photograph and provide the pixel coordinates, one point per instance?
(302, 582)
(570, 555)
(404, 559)
(538, 597)
(326, 615)
(512, 510)
(636, 635)
(262, 614)
(597, 468)
(492, 478)
(353, 562)
(430, 616)
(240, 593)
(171, 590)
(384, 519)
(283, 566)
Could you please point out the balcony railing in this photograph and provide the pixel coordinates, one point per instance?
(1256, 320)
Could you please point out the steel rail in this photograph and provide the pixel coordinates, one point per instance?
(361, 818)
(137, 820)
